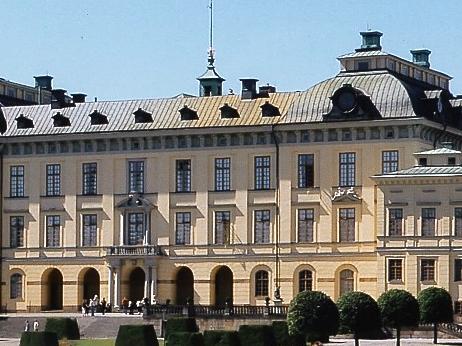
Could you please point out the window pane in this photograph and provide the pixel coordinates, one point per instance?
(305, 225)
(395, 222)
(261, 283)
(395, 270)
(262, 172)
(305, 170)
(222, 227)
(53, 180)
(347, 224)
(53, 230)
(89, 177)
(428, 221)
(390, 161)
(427, 270)
(136, 176)
(262, 226)
(89, 233)
(347, 169)
(346, 281)
(222, 174)
(17, 181)
(183, 175)
(16, 231)
(16, 286)
(458, 222)
(183, 228)
(136, 229)
(305, 281)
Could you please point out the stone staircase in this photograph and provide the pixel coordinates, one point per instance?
(90, 327)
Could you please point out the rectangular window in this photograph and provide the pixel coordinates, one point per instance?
(223, 174)
(183, 175)
(89, 230)
(183, 228)
(363, 65)
(262, 172)
(458, 269)
(53, 231)
(222, 227)
(305, 170)
(390, 161)
(347, 169)
(458, 222)
(305, 225)
(136, 176)
(347, 224)
(262, 226)
(89, 178)
(427, 270)
(17, 181)
(16, 231)
(136, 229)
(395, 270)
(428, 221)
(395, 222)
(54, 180)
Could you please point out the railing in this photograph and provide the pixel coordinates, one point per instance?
(163, 310)
(447, 328)
(134, 250)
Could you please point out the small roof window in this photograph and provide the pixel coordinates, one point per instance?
(60, 120)
(141, 116)
(187, 113)
(98, 118)
(228, 112)
(269, 110)
(24, 123)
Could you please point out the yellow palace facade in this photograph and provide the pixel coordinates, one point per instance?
(222, 197)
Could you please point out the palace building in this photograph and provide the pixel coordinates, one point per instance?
(348, 185)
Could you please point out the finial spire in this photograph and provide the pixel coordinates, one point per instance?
(211, 52)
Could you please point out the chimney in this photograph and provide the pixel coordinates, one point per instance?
(371, 41)
(78, 97)
(59, 98)
(420, 57)
(43, 82)
(267, 89)
(249, 88)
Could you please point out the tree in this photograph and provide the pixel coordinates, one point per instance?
(359, 313)
(399, 309)
(313, 315)
(435, 307)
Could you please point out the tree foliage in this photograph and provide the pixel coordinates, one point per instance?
(398, 308)
(435, 305)
(314, 315)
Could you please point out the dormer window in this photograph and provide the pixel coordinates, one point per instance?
(98, 118)
(362, 65)
(269, 110)
(228, 112)
(141, 116)
(187, 113)
(24, 123)
(422, 161)
(60, 120)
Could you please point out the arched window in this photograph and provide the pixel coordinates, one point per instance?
(346, 281)
(16, 286)
(305, 281)
(261, 283)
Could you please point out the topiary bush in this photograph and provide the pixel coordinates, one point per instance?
(435, 306)
(221, 338)
(282, 337)
(138, 334)
(399, 309)
(313, 315)
(185, 339)
(180, 325)
(256, 335)
(64, 327)
(39, 339)
(359, 314)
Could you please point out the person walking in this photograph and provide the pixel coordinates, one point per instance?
(103, 305)
(27, 326)
(125, 305)
(36, 326)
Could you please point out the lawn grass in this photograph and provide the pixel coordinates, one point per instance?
(94, 342)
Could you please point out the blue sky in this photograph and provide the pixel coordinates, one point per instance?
(156, 48)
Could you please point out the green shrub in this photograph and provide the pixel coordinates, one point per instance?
(314, 315)
(139, 335)
(256, 335)
(282, 337)
(39, 339)
(180, 325)
(185, 339)
(64, 327)
(221, 338)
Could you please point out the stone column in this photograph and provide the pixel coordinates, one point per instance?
(154, 281)
(122, 227)
(117, 286)
(109, 285)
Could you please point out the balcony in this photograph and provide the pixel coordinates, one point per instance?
(134, 250)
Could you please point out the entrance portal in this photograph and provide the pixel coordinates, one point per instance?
(223, 286)
(184, 286)
(54, 286)
(91, 284)
(136, 288)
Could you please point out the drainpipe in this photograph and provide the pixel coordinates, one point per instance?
(278, 219)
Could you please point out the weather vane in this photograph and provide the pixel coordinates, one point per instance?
(211, 50)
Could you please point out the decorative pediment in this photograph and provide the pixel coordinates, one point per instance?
(345, 194)
(269, 110)
(187, 113)
(60, 120)
(228, 112)
(24, 123)
(135, 201)
(141, 116)
(98, 118)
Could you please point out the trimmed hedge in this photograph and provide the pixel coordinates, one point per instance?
(139, 335)
(64, 327)
(282, 337)
(180, 325)
(39, 339)
(221, 338)
(185, 339)
(256, 335)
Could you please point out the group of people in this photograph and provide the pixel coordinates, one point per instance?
(129, 306)
(35, 326)
(94, 305)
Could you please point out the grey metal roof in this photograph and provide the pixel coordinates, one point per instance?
(363, 54)
(439, 151)
(423, 171)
